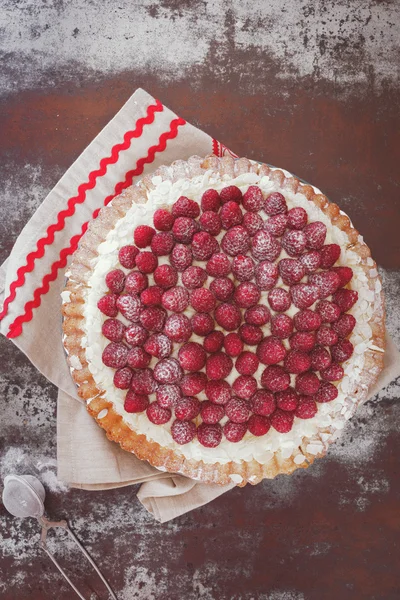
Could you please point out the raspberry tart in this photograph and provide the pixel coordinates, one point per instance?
(223, 320)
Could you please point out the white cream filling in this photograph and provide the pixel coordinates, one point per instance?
(329, 415)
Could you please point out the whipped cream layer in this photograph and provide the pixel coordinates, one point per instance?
(330, 417)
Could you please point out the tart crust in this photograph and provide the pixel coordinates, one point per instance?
(102, 409)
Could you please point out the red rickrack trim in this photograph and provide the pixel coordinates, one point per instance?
(221, 150)
(78, 199)
(16, 327)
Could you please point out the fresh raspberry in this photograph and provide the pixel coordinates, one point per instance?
(113, 330)
(211, 413)
(178, 328)
(194, 277)
(345, 274)
(247, 294)
(279, 299)
(257, 315)
(297, 362)
(218, 265)
(152, 296)
(202, 300)
(258, 425)
(266, 275)
(253, 199)
(307, 384)
(165, 276)
(209, 436)
(184, 229)
(135, 403)
(143, 382)
(115, 355)
(136, 335)
(345, 299)
(168, 370)
(222, 288)
(127, 256)
(275, 204)
(246, 363)
(327, 392)
(157, 414)
(244, 387)
(153, 318)
(231, 215)
(129, 305)
(218, 391)
(342, 350)
(108, 305)
(264, 246)
(294, 242)
(184, 207)
(281, 326)
(291, 270)
(211, 222)
(329, 311)
(326, 336)
(136, 282)
(181, 257)
(218, 366)
(263, 403)
(271, 351)
(143, 235)
(204, 245)
(162, 243)
(138, 358)
(202, 323)
(168, 395)
(297, 218)
(210, 201)
(275, 379)
(233, 344)
(302, 340)
(234, 432)
(146, 262)
(307, 320)
(193, 383)
(163, 219)
(282, 421)
(307, 408)
(214, 341)
(228, 316)
(334, 372)
(236, 241)
(243, 268)
(310, 261)
(122, 378)
(329, 255)
(315, 235)
(175, 299)
(252, 222)
(192, 356)
(276, 225)
(237, 410)
(345, 325)
(158, 345)
(250, 334)
(187, 408)
(231, 193)
(115, 281)
(287, 399)
(320, 358)
(327, 282)
(304, 294)
(183, 432)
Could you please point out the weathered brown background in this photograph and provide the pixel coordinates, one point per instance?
(309, 86)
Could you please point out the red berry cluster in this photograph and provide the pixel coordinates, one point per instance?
(164, 359)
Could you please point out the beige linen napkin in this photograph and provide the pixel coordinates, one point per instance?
(143, 135)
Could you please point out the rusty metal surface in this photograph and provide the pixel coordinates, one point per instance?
(309, 86)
